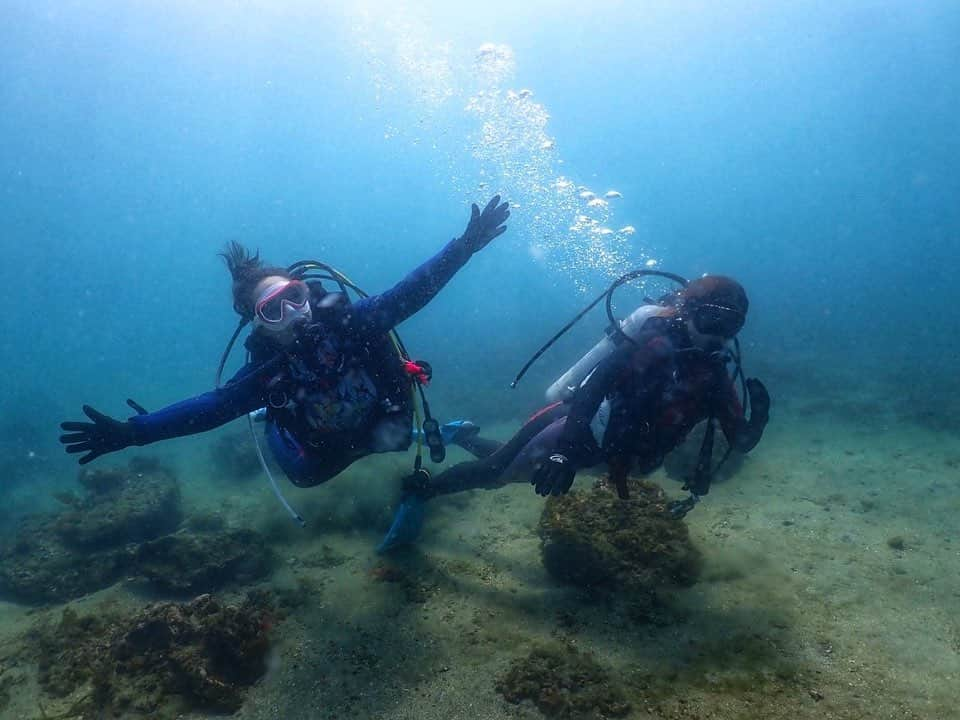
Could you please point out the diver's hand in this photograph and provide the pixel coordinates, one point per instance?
(485, 226)
(554, 476)
(759, 402)
(103, 435)
(680, 508)
(750, 431)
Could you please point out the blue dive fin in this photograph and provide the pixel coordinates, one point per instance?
(453, 431)
(407, 523)
(457, 430)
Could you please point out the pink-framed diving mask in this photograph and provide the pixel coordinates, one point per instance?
(282, 304)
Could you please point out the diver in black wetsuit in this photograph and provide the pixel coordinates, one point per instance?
(326, 369)
(633, 408)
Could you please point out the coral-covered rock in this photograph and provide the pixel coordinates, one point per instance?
(234, 456)
(36, 566)
(117, 530)
(563, 683)
(186, 563)
(593, 538)
(102, 481)
(139, 503)
(163, 661)
(88, 545)
(63, 651)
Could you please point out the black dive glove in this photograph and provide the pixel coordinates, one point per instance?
(750, 431)
(554, 476)
(103, 435)
(485, 226)
(680, 508)
(759, 402)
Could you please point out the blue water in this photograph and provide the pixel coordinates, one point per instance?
(811, 151)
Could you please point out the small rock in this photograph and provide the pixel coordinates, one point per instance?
(592, 538)
(184, 563)
(897, 543)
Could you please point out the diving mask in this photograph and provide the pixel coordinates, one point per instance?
(718, 320)
(282, 304)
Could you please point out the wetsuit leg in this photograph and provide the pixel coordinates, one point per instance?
(305, 467)
(491, 471)
(480, 447)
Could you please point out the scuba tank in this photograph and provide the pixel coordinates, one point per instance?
(618, 331)
(567, 384)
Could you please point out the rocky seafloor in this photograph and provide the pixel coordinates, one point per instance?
(800, 588)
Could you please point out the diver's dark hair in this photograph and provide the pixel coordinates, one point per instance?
(246, 269)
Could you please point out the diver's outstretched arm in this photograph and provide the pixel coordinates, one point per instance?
(204, 412)
(376, 315)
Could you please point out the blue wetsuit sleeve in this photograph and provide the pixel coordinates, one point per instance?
(378, 314)
(242, 394)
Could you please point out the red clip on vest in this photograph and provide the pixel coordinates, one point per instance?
(417, 371)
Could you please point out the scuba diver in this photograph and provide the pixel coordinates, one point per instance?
(328, 375)
(628, 402)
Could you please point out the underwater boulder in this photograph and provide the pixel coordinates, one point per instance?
(89, 544)
(187, 563)
(102, 481)
(121, 506)
(160, 662)
(234, 457)
(592, 538)
(60, 651)
(36, 566)
(563, 682)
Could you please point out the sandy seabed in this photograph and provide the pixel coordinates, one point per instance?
(831, 589)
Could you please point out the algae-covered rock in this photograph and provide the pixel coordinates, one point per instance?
(36, 566)
(122, 505)
(63, 651)
(563, 683)
(592, 538)
(118, 529)
(7, 681)
(186, 563)
(160, 662)
(102, 481)
(234, 456)
(88, 545)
